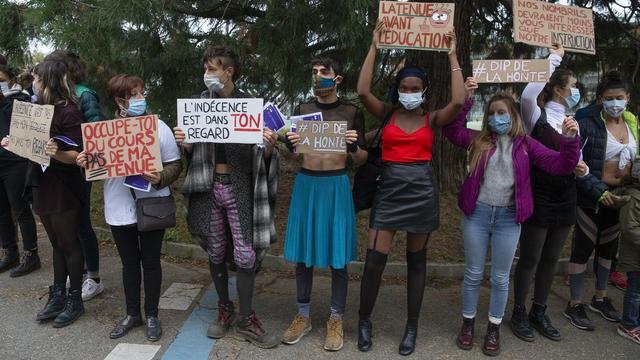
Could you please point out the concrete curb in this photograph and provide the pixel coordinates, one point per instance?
(395, 269)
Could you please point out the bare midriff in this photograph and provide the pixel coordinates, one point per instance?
(612, 176)
(324, 162)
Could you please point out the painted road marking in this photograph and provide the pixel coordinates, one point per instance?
(124, 351)
(192, 341)
(179, 296)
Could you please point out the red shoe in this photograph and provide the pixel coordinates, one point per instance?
(618, 280)
(465, 337)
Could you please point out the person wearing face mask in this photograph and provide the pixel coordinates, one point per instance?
(610, 134)
(496, 198)
(13, 199)
(138, 248)
(89, 104)
(543, 107)
(321, 229)
(407, 199)
(230, 194)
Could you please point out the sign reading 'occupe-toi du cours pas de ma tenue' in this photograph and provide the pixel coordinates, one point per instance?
(237, 121)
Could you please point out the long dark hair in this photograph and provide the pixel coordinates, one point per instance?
(612, 80)
(560, 78)
(56, 85)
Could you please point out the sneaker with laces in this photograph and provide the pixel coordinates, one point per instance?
(334, 340)
(633, 334)
(300, 326)
(605, 308)
(226, 319)
(618, 280)
(91, 289)
(250, 329)
(578, 317)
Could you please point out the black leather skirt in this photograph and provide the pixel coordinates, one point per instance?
(407, 199)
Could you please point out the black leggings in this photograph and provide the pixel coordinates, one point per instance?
(594, 231)
(137, 248)
(67, 253)
(416, 280)
(540, 248)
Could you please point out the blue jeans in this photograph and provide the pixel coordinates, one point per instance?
(496, 226)
(631, 307)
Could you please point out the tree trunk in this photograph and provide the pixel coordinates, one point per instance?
(449, 161)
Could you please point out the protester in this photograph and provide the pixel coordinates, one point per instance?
(321, 229)
(137, 247)
(629, 326)
(89, 104)
(543, 107)
(13, 198)
(611, 145)
(231, 189)
(55, 196)
(408, 197)
(496, 199)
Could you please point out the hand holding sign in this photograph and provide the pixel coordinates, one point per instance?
(378, 32)
(451, 37)
(51, 149)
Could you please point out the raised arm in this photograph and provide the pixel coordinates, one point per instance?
(456, 131)
(372, 103)
(529, 108)
(448, 113)
(554, 162)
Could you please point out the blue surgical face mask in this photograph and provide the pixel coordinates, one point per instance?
(573, 99)
(499, 124)
(137, 107)
(4, 87)
(410, 101)
(614, 108)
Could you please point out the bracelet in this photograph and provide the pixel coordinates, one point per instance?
(353, 147)
(456, 69)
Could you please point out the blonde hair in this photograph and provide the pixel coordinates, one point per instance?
(483, 141)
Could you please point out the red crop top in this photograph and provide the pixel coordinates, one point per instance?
(398, 146)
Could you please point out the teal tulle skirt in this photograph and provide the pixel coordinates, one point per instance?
(321, 229)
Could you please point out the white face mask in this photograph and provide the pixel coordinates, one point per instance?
(410, 101)
(4, 87)
(213, 83)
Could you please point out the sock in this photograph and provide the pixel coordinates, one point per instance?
(335, 315)
(304, 309)
(495, 320)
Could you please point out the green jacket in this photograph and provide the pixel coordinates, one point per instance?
(89, 104)
(629, 246)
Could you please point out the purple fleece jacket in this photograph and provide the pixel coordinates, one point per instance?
(525, 150)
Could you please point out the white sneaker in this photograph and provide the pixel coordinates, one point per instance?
(91, 289)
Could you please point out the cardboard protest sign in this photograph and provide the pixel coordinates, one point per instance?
(321, 137)
(121, 147)
(221, 120)
(541, 23)
(415, 25)
(30, 131)
(511, 71)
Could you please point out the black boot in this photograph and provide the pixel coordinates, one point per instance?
(540, 321)
(364, 335)
(408, 343)
(55, 304)
(72, 310)
(29, 263)
(8, 260)
(520, 324)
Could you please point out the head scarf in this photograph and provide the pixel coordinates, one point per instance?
(407, 71)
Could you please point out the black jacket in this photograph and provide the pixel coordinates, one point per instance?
(6, 109)
(593, 134)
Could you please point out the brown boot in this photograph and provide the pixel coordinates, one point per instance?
(250, 329)
(491, 345)
(226, 318)
(465, 336)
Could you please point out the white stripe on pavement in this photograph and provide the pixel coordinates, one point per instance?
(133, 352)
(179, 296)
